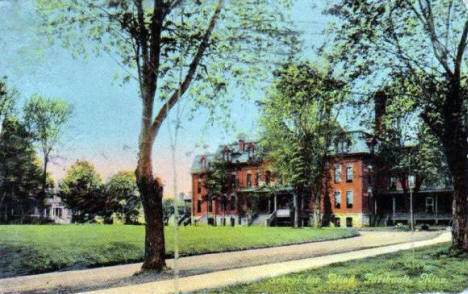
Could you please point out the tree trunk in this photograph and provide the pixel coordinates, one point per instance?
(296, 211)
(460, 218)
(460, 210)
(454, 139)
(151, 193)
(317, 210)
(43, 193)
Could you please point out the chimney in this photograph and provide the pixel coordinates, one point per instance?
(241, 145)
(380, 104)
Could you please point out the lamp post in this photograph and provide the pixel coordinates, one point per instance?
(411, 181)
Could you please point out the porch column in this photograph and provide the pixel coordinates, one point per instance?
(375, 206)
(437, 209)
(393, 207)
(275, 203)
(269, 204)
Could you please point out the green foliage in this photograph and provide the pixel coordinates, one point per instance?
(81, 190)
(217, 179)
(299, 124)
(31, 249)
(422, 272)
(123, 191)
(247, 39)
(7, 101)
(416, 50)
(46, 119)
(19, 171)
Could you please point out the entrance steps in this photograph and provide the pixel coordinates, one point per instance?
(261, 219)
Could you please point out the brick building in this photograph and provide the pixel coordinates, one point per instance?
(258, 197)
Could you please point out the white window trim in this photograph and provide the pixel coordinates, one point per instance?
(334, 197)
(352, 198)
(337, 171)
(352, 172)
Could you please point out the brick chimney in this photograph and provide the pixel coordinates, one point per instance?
(241, 145)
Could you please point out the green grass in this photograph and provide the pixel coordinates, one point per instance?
(28, 249)
(425, 270)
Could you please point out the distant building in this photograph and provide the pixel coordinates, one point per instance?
(258, 197)
(54, 211)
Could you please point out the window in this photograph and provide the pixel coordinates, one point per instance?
(249, 180)
(393, 183)
(199, 203)
(349, 173)
(233, 180)
(429, 205)
(337, 199)
(199, 184)
(337, 173)
(337, 222)
(210, 205)
(349, 199)
(233, 202)
(203, 162)
(267, 177)
(58, 212)
(257, 179)
(349, 222)
(223, 203)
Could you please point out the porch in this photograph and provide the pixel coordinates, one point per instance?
(430, 207)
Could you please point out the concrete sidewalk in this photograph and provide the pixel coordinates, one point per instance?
(121, 275)
(255, 273)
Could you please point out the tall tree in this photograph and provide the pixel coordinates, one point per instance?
(19, 171)
(299, 120)
(404, 144)
(7, 101)
(123, 191)
(217, 181)
(423, 44)
(81, 191)
(169, 46)
(46, 119)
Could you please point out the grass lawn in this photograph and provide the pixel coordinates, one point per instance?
(28, 249)
(426, 270)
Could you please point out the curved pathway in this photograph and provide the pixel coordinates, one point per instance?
(122, 275)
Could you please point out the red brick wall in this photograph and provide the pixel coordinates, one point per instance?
(241, 176)
(358, 185)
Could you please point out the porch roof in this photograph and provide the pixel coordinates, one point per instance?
(267, 189)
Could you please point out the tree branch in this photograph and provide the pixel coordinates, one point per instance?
(461, 51)
(164, 110)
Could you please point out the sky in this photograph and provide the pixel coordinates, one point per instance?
(106, 115)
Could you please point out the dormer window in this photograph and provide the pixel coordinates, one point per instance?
(204, 164)
(226, 154)
(251, 150)
(393, 183)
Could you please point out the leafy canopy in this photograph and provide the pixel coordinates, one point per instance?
(299, 121)
(248, 39)
(46, 119)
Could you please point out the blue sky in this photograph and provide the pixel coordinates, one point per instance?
(105, 124)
